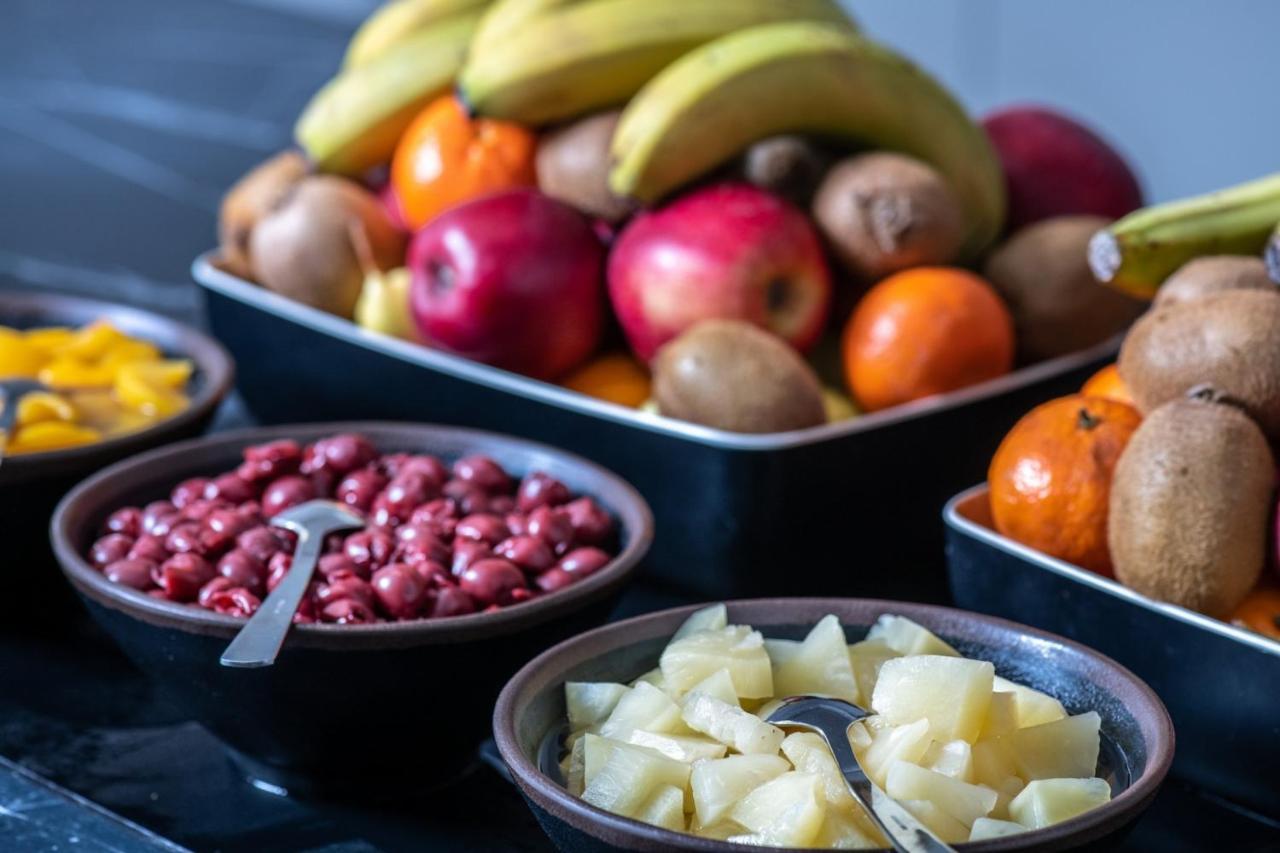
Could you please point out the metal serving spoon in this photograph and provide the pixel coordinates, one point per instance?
(831, 719)
(11, 393)
(259, 641)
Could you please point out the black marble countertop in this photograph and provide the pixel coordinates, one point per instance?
(121, 122)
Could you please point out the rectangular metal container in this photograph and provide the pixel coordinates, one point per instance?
(848, 508)
(1220, 683)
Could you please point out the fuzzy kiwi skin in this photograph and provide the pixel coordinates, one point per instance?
(731, 375)
(248, 201)
(303, 249)
(1229, 340)
(789, 165)
(573, 167)
(884, 212)
(1058, 307)
(1214, 274)
(1190, 500)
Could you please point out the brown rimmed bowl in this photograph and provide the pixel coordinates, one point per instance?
(1137, 736)
(31, 484)
(346, 710)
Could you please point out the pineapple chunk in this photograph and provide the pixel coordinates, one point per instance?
(629, 776)
(737, 648)
(841, 830)
(643, 707)
(718, 685)
(713, 618)
(862, 732)
(937, 821)
(1032, 707)
(866, 658)
(1063, 749)
(908, 638)
(986, 827)
(992, 762)
(809, 753)
(574, 767)
(1045, 802)
(898, 743)
(731, 725)
(819, 664)
(953, 758)
(686, 748)
(785, 812)
(960, 800)
(1002, 716)
(591, 702)
(653, 676)
(720, 783)
(1006, 790)
(664, 808)
(722, 831)
(953, 694)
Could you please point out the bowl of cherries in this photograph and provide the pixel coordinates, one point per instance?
(476, 552)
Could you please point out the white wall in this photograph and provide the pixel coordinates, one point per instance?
(1189, 90)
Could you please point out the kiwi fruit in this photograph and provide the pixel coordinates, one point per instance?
(1190, 499)
(1229, 339)
(1213, 274)
(884, 212)
(250, 199)
(573, 167)
(1058, 307)
(789, 165)
(732, 375)
(305, 248)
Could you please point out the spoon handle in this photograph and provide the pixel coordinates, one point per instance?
(259, 641)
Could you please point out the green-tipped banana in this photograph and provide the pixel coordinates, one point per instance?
(506, 17)
(595, 54)
(801, 78)
(1137, 253)
(355, 121)
(397, 20)
(1272, 255)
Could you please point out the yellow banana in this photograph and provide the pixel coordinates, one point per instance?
(354, 122)
(801, 77)
(506, 17)
(394, 21)
(597, 53)
(1137, 253)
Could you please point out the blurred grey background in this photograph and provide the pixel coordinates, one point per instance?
(122, 121)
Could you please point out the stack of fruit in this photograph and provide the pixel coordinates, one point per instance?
(490, 177)
(1161, 471)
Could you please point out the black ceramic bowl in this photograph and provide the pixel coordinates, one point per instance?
(1137, 735)
(347, 709)
(32, 484)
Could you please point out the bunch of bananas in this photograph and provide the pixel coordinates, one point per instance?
(700, 80)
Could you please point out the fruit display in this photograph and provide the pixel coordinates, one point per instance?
(440, 540)
(1161, 471)
(686, 747)
(510, 180)
(99, 383)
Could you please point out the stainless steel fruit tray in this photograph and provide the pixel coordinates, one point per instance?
(803, 512)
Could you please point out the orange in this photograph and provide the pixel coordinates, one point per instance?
(1260, 612)
(925, 331)
(1050, 479)
(1107, 383)
(615, 377)
(445, 158)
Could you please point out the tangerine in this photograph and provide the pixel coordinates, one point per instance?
(1050, 479)
(1107, 383)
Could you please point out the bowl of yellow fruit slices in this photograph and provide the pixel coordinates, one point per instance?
(652, 733)
(113, 381)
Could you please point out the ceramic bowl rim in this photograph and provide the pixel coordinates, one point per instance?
(211, 359)
(547, 794)
(632, 510)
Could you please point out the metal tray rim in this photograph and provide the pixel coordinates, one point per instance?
(210, 277)
(955, 519)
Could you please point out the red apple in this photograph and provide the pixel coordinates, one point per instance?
(1055, 166)
(729, 251)
(512, 280)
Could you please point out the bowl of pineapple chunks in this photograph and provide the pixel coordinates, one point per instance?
(651, 734)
